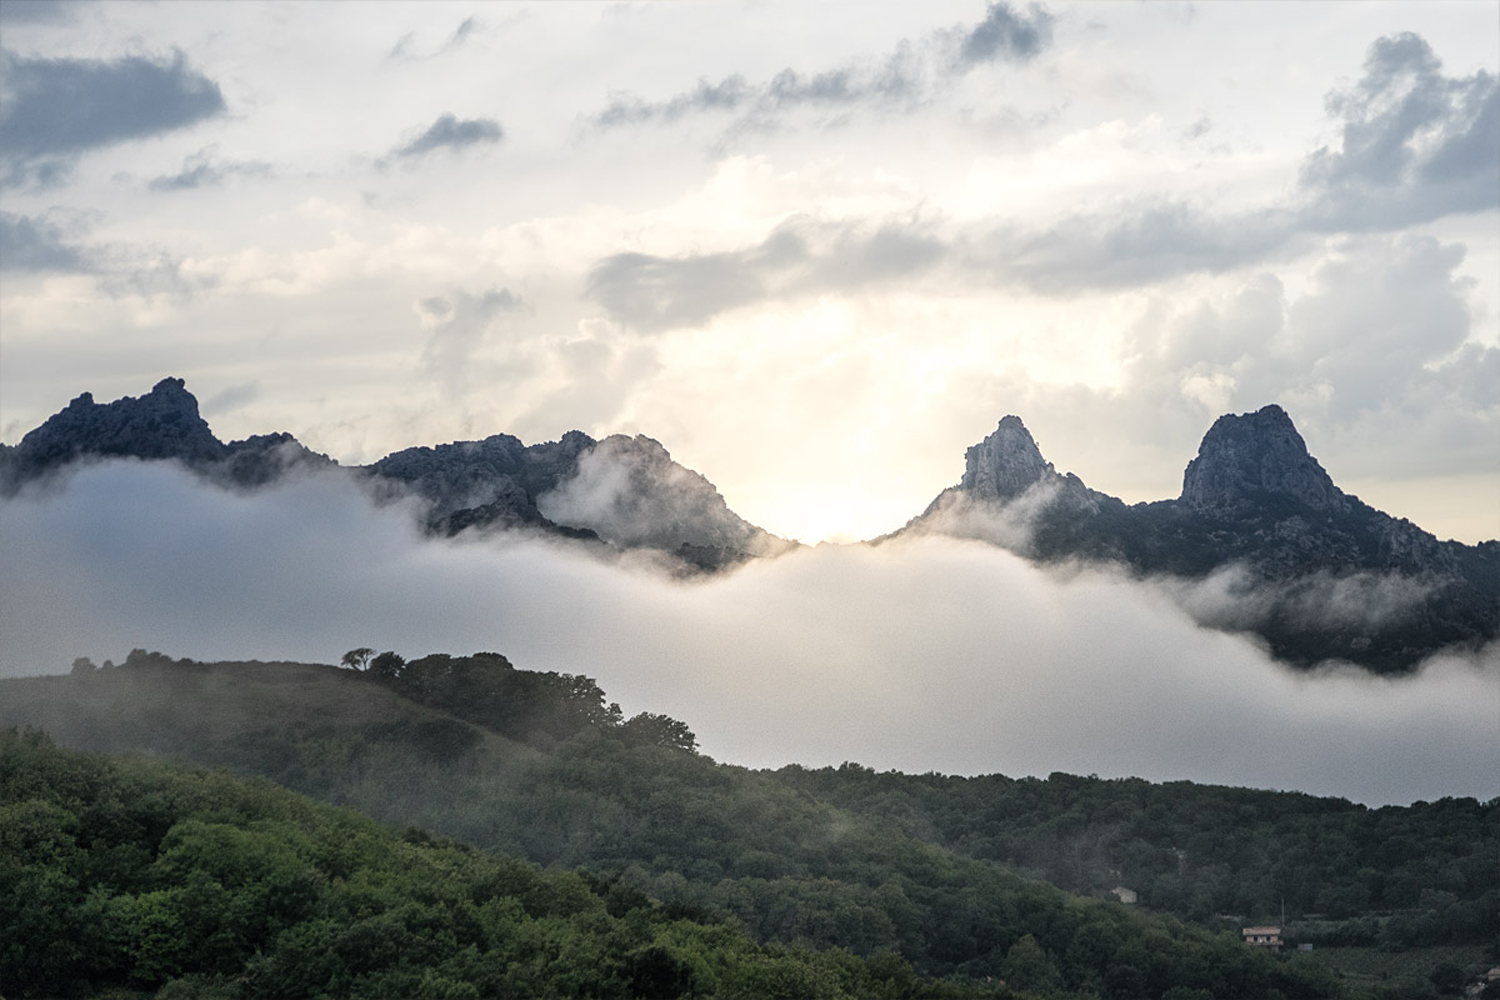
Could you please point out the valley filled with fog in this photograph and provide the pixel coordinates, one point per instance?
(919, 654)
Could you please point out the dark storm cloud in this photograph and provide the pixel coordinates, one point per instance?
(903, 77)
(800, 257)
(57, 109)
(29, 243)
(450, 132)
(932, 654)
(1416, 145)
(201, 170)
(1005, 34)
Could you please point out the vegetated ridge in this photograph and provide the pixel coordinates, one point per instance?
(540, 766)
(135, 878)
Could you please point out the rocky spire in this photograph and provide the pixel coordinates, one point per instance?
(1004, 464)
(162, 424)
(1252, 456)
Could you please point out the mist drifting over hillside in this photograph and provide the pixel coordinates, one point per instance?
(925, 653)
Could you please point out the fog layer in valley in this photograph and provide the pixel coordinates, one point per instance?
(924, 654)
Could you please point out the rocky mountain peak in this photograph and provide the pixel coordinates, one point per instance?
(164, 423)
(1251, 456)
(1004, 464)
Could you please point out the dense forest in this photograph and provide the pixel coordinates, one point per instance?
(949, 875)
(1342, 873)
(138, 877)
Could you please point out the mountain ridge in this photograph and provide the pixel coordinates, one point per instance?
(617, 491)
(1312, 563)
(1316, 573)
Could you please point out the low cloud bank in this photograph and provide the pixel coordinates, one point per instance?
(1233, 597)
(930, 654)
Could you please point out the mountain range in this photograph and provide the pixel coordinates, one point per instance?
(1260, 541)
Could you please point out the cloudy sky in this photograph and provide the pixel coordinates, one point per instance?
(815, 249)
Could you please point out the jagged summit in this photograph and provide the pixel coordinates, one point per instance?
(1246, 458)
(1005, 464)
(164, 423)
(627, 492)
(1328, 577)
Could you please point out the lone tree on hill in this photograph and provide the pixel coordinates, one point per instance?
(356, 659)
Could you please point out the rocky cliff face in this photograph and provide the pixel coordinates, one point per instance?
(1005, 464)
(624, 491)
(163, 424)
(491, 483)
(1245, 459)
(1317, 573)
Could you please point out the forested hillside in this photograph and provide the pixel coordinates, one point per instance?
(138, 877)
(1342, 873)
(946, 872)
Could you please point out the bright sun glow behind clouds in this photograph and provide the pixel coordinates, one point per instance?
(814, 250)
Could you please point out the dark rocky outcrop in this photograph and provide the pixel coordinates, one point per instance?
(1246, 459)
(623, 491)
(479, 485)
(1318, 574)
(164, 424)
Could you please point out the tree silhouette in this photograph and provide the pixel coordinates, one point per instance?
(388, 665)
(356, 659)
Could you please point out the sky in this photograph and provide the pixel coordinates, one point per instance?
(816, 250)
